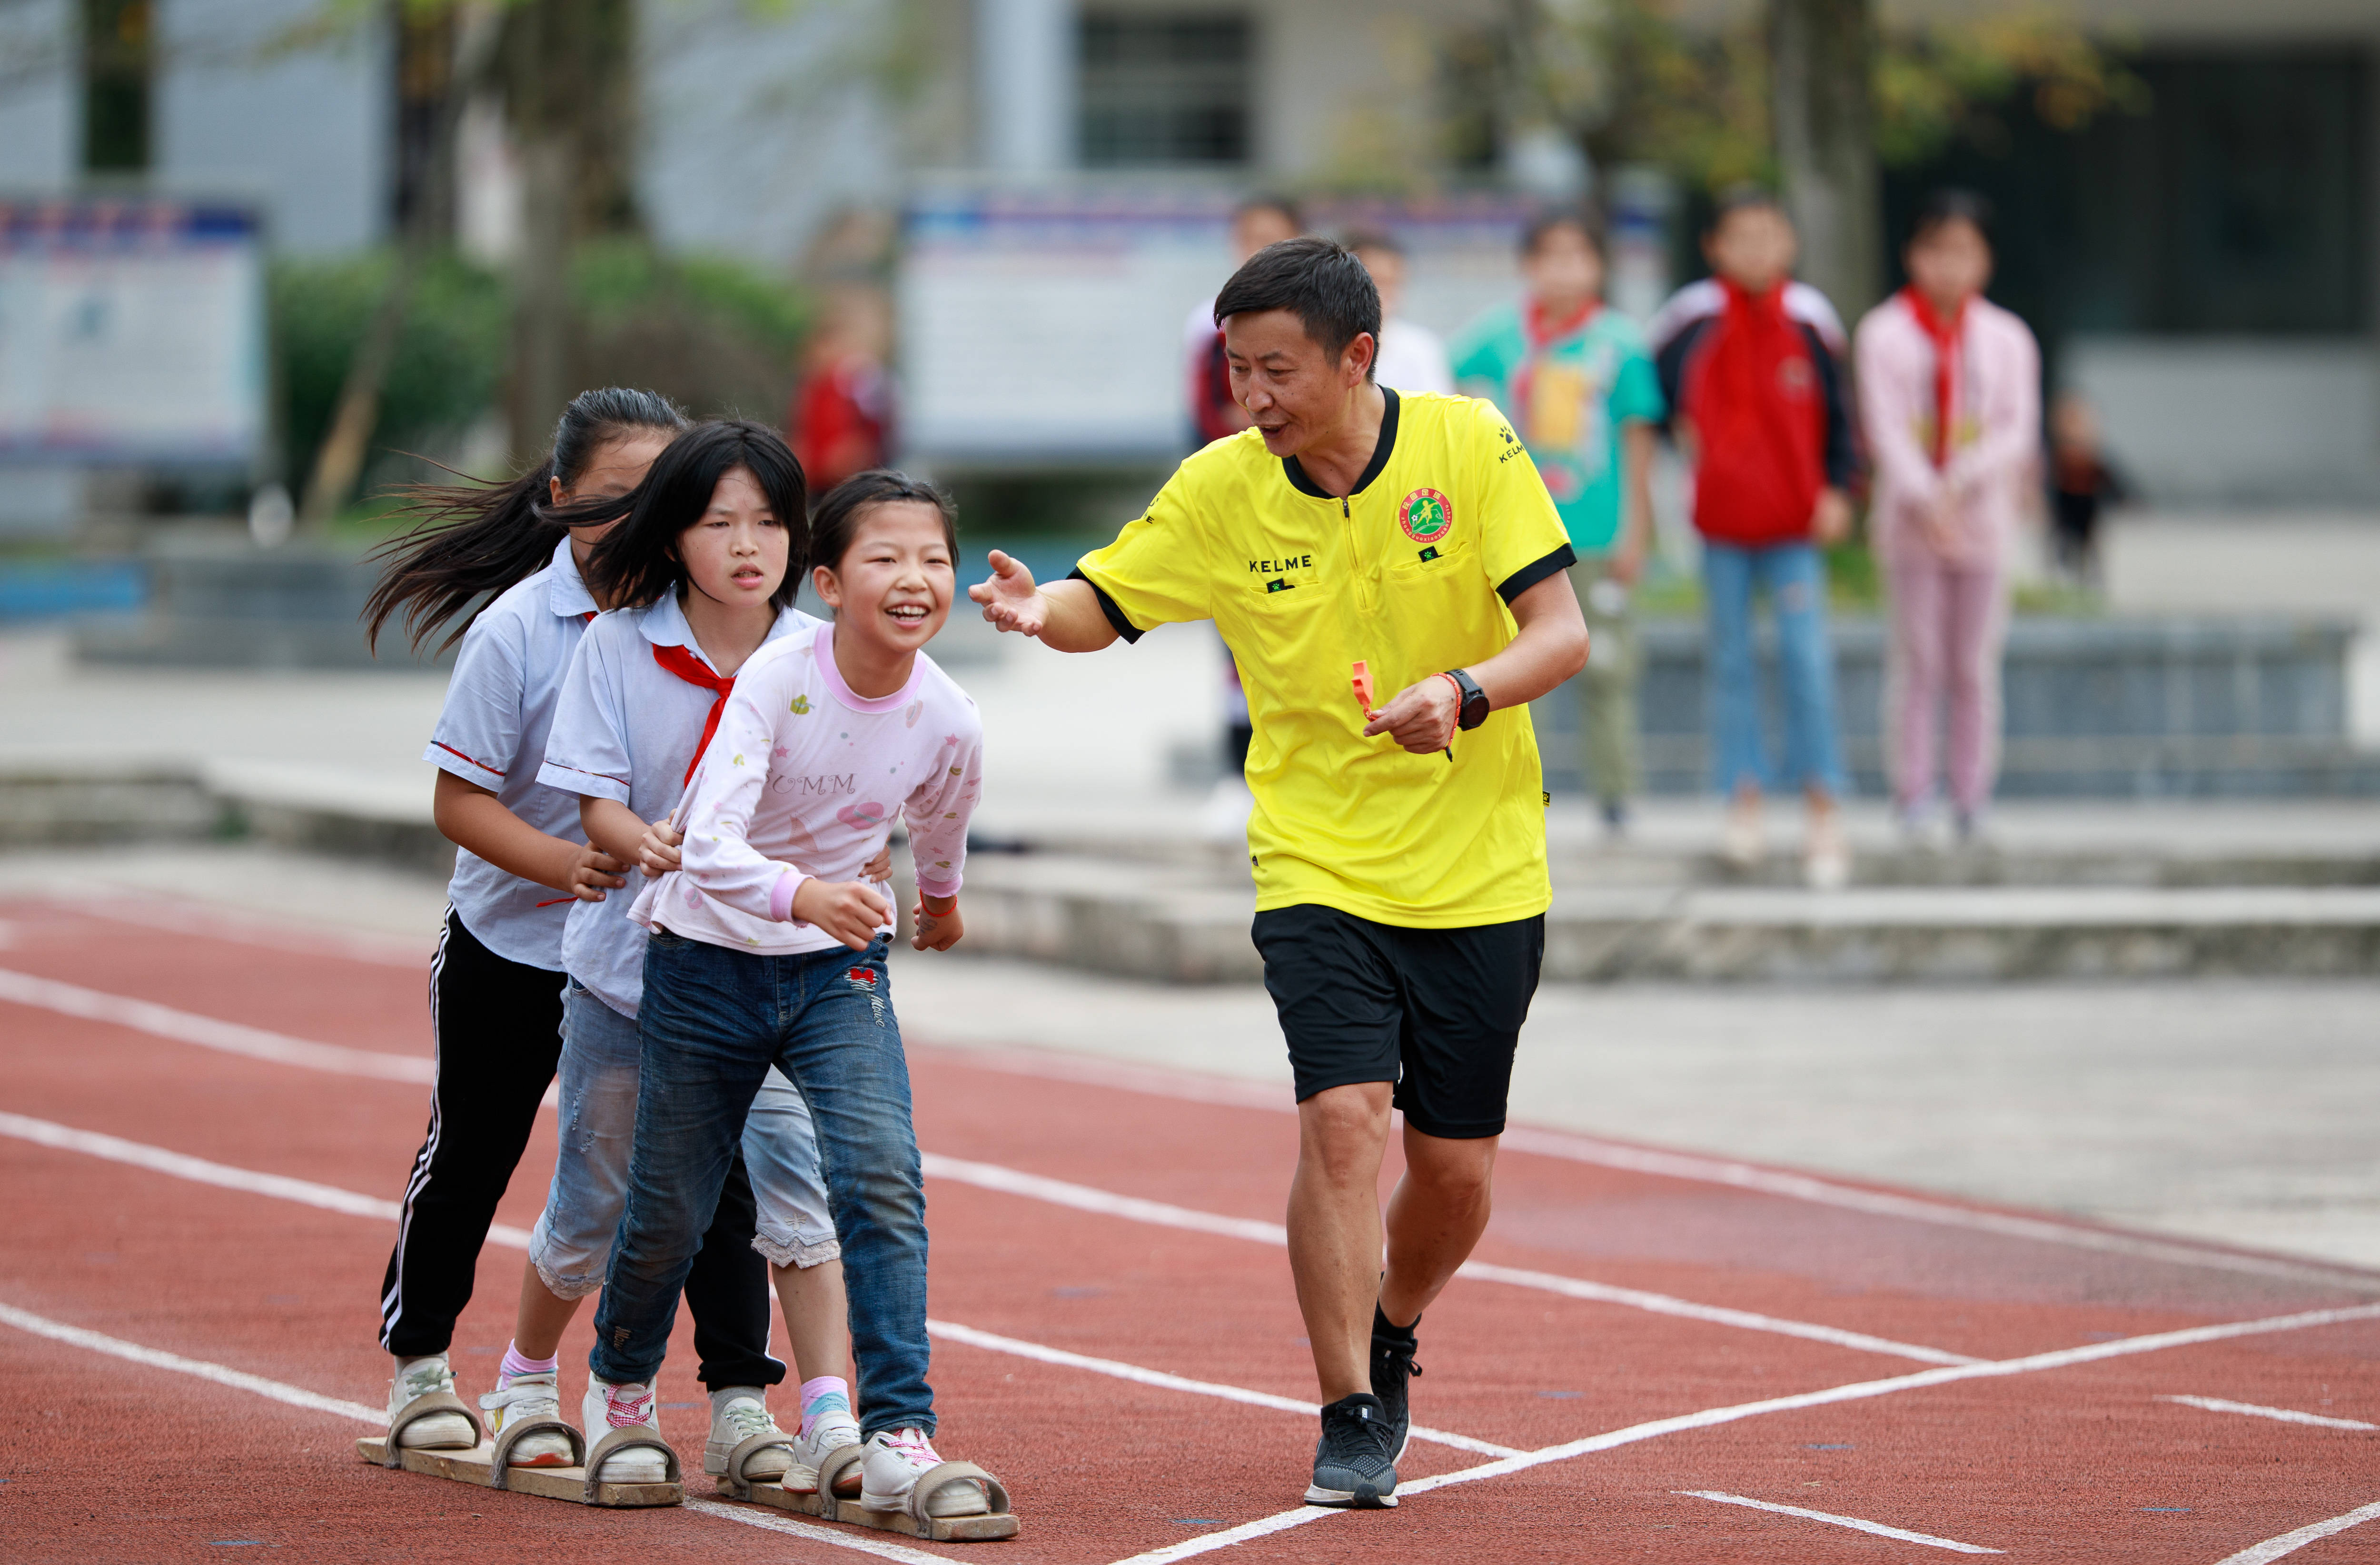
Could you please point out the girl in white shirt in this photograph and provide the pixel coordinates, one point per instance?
(769, 946)
(496, 984)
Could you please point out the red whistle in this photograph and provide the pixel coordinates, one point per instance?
(1362, 683)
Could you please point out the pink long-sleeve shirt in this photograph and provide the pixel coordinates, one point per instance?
(803, 779)
(1995, 430)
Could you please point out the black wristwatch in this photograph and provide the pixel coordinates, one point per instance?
(1474, 711)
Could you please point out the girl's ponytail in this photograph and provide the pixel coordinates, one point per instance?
(474, 540)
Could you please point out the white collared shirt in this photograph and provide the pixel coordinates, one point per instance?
(492, 731)
(1412, 359)
(625, 730)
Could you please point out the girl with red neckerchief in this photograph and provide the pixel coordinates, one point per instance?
(1951, 401)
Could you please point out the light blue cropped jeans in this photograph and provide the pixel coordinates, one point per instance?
(1794, 577)
(571, 1245)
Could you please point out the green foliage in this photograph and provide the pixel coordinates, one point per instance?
(449, 359)
(1693, 98)
(1853, 580)
(718, 335)
(1681, 97)
(614, 282)
(1945, 82)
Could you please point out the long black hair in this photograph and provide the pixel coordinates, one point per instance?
(475, 539)
(638, 562)
(838, 515)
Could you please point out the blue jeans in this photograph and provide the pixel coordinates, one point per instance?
(1795, 579)
(713, 1021)
(601, 1055)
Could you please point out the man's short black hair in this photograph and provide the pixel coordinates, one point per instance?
(1585, 219)
(1323, 283)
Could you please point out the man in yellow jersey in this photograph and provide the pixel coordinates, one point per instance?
(1399, 851)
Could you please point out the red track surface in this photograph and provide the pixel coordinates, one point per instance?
(113, 1460)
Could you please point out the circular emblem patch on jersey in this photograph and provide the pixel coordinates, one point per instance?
(1425, 515)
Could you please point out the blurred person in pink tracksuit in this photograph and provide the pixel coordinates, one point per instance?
(1949, 391)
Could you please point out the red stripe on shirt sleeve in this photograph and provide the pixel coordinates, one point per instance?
(492, 771)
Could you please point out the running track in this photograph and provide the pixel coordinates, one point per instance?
(205, 1122)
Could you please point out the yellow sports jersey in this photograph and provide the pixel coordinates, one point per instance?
(1411, 575)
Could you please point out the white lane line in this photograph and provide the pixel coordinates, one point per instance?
(1182, 1085)
(1662, 1304)
(2289, 1543)
(157, 1159)
(207, 1032)
(212, 921)
(1161, 1379)
(771, 1521)
(221, 1375)
(1825, 1193)
(990, 1177)
(297, 1396)
(1086, 1198)
(188, 1027)
(235, 1038)
(2256, 1409)
(2062, 1358)
(1879, 1528)
(331, 1198)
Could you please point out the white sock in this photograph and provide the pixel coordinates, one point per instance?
(726, 1394)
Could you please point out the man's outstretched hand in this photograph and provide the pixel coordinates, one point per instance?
(1010, 600)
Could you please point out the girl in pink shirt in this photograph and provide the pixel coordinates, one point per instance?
(768, 946)
(1949, 391)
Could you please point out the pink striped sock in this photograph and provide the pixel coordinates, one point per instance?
(515, 1365)
(826, 1394)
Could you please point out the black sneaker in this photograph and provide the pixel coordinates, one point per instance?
(1352, 1465)
(1392, 1366)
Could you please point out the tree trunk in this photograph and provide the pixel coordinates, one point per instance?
(539, 385)
(1821, 53)
(340, 462)
(570, 93)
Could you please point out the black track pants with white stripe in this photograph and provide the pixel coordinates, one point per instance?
(499, 1033)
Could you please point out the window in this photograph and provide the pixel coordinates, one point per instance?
(115, 49)
(2239, 202)
(1159, 90)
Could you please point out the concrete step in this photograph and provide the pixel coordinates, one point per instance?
(2133, 894)
(1178, 924)
(316, 809)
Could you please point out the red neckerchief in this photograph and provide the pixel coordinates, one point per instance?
(694, 671)
(1945, 335)
(1543, 332)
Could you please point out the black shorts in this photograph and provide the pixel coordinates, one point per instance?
(1437, 1012)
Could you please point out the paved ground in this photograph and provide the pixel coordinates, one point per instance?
(1658, 1356)
(2236, 1113)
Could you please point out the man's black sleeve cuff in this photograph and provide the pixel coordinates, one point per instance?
(1124, 627)
(1527, 576)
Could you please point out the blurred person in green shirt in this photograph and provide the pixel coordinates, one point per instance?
(1577, 379)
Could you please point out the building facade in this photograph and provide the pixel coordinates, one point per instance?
(2206, 271)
